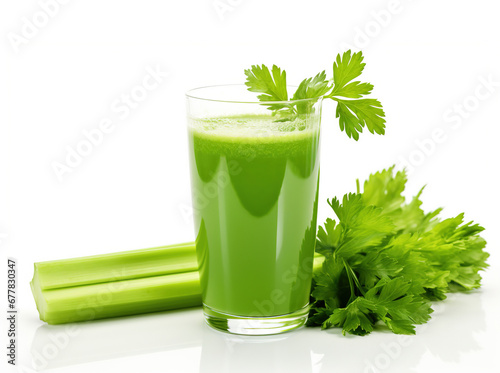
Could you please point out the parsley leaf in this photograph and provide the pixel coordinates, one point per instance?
(363, 226)
(329, 282)
(328, 237)
(358, 112)
(355, 318)
(384, 189)
(346, 68)
(311, 88)
(272, 85)
(397, 307)
(355, 114)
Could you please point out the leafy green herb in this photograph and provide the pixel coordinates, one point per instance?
(272, 85)
(385, 259)
(311, 88)
(353, 110)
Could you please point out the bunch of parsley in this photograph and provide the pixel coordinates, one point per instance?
(385, 259)
(353, 109)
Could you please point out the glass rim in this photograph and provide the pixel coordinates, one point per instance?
(191, 94)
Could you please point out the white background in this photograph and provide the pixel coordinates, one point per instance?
(427, 60)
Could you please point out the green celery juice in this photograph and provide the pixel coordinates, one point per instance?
(255, 191)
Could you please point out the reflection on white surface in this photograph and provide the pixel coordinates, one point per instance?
(226, 353)
(63, 345)
(443, 337)
(381, 351)
(151, 339)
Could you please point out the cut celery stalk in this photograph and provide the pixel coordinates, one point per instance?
(119, 284)
(124, 265)
(119, 298)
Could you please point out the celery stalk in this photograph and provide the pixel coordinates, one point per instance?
(119, 298)
(118, 266)
(119, 284)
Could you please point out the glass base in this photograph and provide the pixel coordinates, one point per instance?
(255, 325)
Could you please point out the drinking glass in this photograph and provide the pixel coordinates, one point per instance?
(254, 180)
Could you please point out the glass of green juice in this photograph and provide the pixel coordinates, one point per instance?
(254, 181)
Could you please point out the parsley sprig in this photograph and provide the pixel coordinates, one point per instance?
(385, 259)
(354, 111)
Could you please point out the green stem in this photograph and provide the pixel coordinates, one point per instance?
(351, 285)
(353, 280)
(356, 281)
